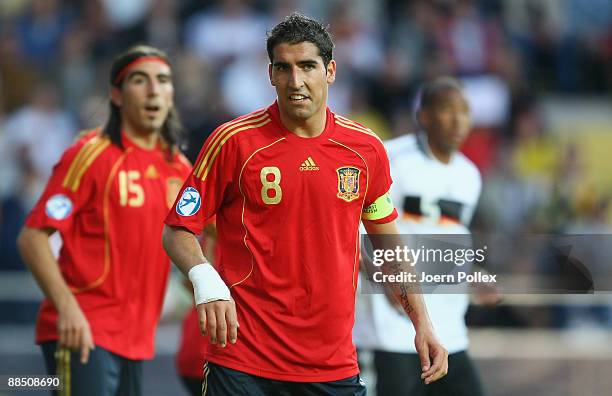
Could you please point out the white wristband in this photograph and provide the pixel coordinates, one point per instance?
(207, 284)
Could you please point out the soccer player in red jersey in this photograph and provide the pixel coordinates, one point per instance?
(289, 186)
(191, 352)
(107, 197)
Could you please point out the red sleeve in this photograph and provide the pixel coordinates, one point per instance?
(380, 174)
(204, 190)
(69, 187)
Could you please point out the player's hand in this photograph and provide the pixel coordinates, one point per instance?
(73, 330)
(433, 356)
(218, 320)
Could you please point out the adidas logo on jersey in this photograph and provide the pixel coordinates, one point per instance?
(309, 165)
(151, 172)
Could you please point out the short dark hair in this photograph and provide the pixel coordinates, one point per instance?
(297, 28)
(172, 130)
(431, 91)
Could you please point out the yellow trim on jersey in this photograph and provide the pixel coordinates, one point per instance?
(365, 164)
(83, 160)
(354, 127)
(222, 137)
(246, 232)
(355, 124)
(225, 139)
(256, 117)
(379, 209)
(87, 147)
(88, 161)
(221, 130)
(106, 217)
(345, 122)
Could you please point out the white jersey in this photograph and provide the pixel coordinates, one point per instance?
(432, 198)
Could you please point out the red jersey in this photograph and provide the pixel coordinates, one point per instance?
(287, 210)
(108, 205)
(191, 354)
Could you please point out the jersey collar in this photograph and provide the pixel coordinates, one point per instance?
(274, 112)
(127, 142)
(423, 145)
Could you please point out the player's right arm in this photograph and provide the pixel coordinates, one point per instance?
(200, 199)
(65, 194)
(216, 309)
(72, 327)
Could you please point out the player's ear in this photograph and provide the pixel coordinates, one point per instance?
(270, 75)
(115, 94)
(422, 118)
(331, 72)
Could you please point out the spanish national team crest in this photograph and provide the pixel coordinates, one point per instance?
(348, 183)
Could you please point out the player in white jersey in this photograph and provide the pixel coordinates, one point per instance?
(436, 188)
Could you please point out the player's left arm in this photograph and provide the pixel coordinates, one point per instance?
(410, 298)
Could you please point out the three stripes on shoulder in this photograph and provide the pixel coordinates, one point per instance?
(260, 118)
(83, 160)
(222, 135)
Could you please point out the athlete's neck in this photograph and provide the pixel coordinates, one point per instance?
(441, 155)
(307, 128)
(145, 139)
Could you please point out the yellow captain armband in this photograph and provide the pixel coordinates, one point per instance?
(379, 209)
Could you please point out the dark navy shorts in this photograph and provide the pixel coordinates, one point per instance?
(105, 374)
(400, 374)
(223, 381)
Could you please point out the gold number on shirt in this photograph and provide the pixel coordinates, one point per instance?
(271, 185)
(130, 192)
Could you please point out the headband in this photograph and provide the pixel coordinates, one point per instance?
(127, 67)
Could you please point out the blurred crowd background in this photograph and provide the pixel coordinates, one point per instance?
(538, 74)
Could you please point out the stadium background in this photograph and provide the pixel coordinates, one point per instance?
(538, 75)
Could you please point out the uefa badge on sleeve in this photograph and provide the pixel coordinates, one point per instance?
(58, 207)
(190, 202)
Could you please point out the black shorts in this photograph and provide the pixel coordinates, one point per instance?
(399, 374)
(193, 386)
(223, 381)
(105, 374)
